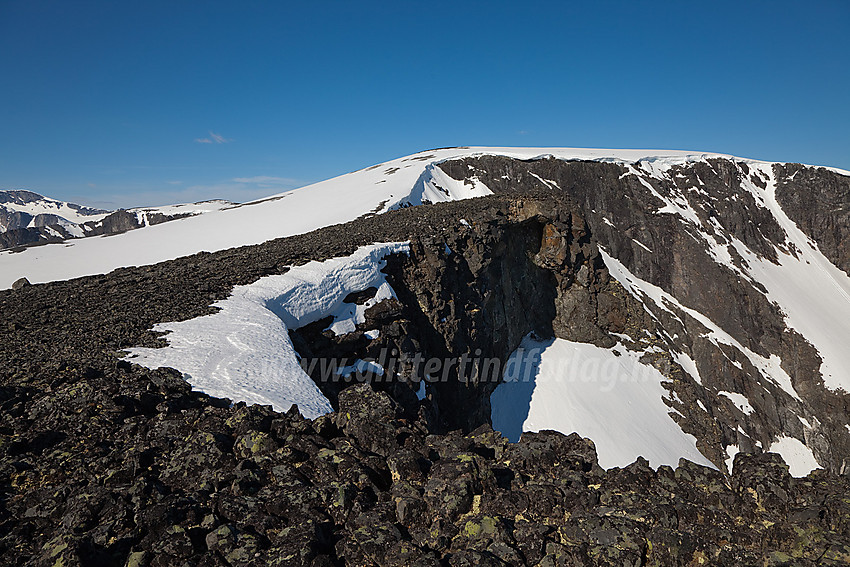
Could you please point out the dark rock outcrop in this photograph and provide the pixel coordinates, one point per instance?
(619, 204)
(818, 201)
(121, 466)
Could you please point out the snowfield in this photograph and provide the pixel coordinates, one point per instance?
(576, 387)
(244, 352)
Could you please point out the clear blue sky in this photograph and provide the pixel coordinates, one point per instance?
(134, 103)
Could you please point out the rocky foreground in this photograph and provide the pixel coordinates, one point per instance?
(130, 468)
(108, 463)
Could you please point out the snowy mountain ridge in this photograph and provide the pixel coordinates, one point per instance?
(410, 180)
(601, 358)
(704, 295)
(34, 205)
(29, 218)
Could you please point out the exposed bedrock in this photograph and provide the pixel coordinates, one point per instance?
(532, 264)
(818, 200)
(467, 298)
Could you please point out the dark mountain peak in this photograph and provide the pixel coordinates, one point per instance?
(19, 196)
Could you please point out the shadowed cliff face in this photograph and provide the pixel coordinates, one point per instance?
(471, 296)
(624, 208)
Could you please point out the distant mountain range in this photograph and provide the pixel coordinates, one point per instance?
(27, 218)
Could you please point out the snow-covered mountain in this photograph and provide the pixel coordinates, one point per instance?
(20, 209)
(664, 304)
(407, 181)
(27, 218)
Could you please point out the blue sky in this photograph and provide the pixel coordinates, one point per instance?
(141, 103)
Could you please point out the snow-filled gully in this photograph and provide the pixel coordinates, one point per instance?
(244, 352)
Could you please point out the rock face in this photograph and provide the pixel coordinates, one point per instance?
(818, 201)
(620, 203)
(108, 463)
(471, 294)
(535, 266)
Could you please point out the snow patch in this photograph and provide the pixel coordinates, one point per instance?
(688, 365)
(362, 366)
(801, 461)
(347, 316)
(243, 352)
(436, 186)
(731, 451)
(739, 400)
(547, 182)
(576, 387)
(642, 245)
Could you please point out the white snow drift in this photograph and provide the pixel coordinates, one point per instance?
(244, 352)
(613, 399)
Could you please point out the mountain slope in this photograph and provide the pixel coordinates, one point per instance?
(740, 299)
(691, 349)
(741, 312)
(402, 182)
(24, 209)
(708, 279)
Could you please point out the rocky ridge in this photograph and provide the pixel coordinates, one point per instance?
(619, 203)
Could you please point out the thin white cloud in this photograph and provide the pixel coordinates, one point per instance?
(213, 139)
(266, 180)
(235, 192)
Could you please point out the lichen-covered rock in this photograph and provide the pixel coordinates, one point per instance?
(368, 416)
